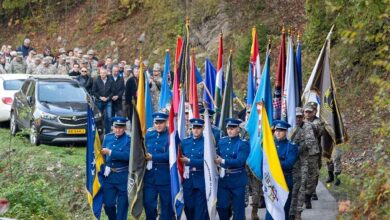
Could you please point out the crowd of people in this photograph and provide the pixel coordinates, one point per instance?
(113, 85)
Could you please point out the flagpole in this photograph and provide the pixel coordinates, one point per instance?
(209, 94)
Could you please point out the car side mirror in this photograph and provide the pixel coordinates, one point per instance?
(29, 100)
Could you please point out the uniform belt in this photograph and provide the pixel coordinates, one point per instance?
(120, 169)
(237, 170)
(194, 169)
(159, 163)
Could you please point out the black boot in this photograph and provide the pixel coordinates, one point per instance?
(314, 196)
(330, 177)
(262, 202)
(308, 201)
(337, 182)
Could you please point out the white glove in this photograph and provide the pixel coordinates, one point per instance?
(221, 172)
(149, 165)
(186, 173)
(107, 171)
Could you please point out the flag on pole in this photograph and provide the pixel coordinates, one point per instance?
(251, 87)
(193, 96)
(321, 87)
(148, 104)
(137, 165)
(140, 99)
(219, 86)
(274, 184)
(181, 131)
(279, 82)
(254, 126)
(184, 61)
(176, 187)
(299, 69)
(176, 76)
(210, 168)
(209, 84)
(289, 102)
(255, 58)
(227, 102)
(165, 94)
(94, 162)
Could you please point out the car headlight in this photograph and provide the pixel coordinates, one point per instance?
(45, 115)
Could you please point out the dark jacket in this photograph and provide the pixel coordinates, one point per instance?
(73, 73)
(118, 87)
(86, 82)
(99, 89)
(25, 50)
(131, 90)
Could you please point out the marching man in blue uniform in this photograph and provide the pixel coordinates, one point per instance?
(288, 155)
(232, 153)
(157, 176)
(195, 204)
(116, 148)
(216, 131)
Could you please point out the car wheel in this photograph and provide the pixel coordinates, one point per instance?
(13, 126)
(34, 140)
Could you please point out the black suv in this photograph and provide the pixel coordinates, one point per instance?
(53, 109)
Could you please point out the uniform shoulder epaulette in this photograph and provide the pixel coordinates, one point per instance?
(151, 129)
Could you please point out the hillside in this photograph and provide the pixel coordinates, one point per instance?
(359, 62)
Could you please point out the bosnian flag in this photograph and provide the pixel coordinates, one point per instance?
(176, 187)
(255, 58)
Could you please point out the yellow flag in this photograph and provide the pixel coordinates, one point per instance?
(141, 99)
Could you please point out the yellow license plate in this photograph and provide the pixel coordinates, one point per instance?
(75, 131)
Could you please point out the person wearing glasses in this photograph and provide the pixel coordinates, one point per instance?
(157, 182)
(194, 189)
(85, 80)
(232, 153)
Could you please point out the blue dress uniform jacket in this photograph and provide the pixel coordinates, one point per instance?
(216, 132)
(157, 179)
(115, 184)
(194, 187)
(231, 187)
(288, 155)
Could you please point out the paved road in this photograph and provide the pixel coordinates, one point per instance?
(323, 209)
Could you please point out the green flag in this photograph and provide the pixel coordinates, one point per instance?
(137, 165)
(227, 101)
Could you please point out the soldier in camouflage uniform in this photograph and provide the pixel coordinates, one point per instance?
(334, 165)
(303, 135)
(62, 67)
(31, 68)
(18, 65)
(155, 82)
(46, 68)
(314, 158)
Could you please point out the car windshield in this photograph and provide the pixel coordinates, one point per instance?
(61, 92)
(13, 84)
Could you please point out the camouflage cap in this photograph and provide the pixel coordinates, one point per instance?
(298, 111)
(91, 52)
(19, 53)
(308, 107)
(314, 105)
(62, 50)
(39, 56)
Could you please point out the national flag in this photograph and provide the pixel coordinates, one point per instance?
(181, 130)
(148, 104)
(193, 96)
(165, 94)
(176, 187)
(210, 168)
(219, 83)
(184, 61)
(321, 87)
(137, 165)
(289, 100)
(274, 184)
(209, 84)
(254, 126)
(227, 102)
(279, 82)
(140, 99)
(176, 77)
(94, 169)
(251, 91)
(255, 58)
(299, 69)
